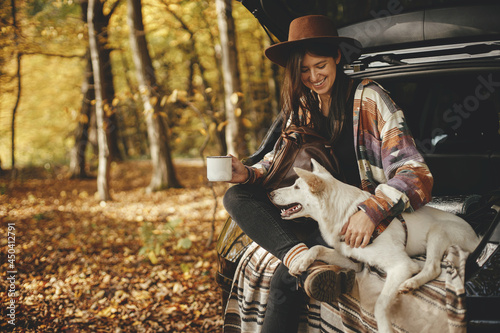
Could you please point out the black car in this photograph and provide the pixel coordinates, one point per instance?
(440, 61)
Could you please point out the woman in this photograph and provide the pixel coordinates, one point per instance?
(372, 144)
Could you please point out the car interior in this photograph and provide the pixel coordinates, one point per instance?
(457, 133)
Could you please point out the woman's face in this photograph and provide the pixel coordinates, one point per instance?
(318, 73)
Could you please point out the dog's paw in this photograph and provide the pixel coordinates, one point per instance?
(301, 264)
(408, 286)
(294, 270)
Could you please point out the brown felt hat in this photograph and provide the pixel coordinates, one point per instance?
(311, 29)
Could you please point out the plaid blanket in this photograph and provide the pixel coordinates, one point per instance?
(438, 306)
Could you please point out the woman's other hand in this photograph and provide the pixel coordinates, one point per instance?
(358, 230)
(240, 172)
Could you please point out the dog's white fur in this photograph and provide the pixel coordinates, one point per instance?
(331, 203)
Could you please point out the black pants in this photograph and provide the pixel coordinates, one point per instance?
(251, 209)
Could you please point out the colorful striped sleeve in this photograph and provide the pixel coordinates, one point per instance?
(394, 167)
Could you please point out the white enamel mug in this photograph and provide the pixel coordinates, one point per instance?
(219, 168)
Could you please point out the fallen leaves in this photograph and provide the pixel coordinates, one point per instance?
(79, 261)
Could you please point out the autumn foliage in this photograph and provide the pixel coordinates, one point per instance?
(136, 264)
(138, 261)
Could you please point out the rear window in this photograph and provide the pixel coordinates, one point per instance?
(455, 121)
(455, 113)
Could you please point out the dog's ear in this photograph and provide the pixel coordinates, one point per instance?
(315, 183)
(317, 167)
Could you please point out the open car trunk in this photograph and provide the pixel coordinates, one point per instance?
(440, 61)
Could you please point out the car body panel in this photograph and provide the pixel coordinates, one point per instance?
(428, 26)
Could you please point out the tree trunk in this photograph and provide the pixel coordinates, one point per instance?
(101, 24)
(77, 162)
(230, 73)
(110, 118)
(97, 65)
(14, 111)
(221, 135)
(141, 144)
(18, 98)
(164, 175)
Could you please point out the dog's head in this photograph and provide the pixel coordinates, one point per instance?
(302, 198)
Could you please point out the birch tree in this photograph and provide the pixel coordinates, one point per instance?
(164, 175)
(77, 161)
(230, 74)
(97, 65)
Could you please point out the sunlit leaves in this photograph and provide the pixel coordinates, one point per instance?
(246, 122)
(54, 27)
(153, 100)
(83, 118)
(79, 267)
(163, 101)
(235, 97)
(198, 97)
(51, 86)
(177, 96)
(221, 126)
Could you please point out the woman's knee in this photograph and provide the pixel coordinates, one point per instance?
(230, 197)
(235, 196)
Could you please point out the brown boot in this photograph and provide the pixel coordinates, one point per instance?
(326, 283)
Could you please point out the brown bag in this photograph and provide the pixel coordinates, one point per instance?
(298, 146)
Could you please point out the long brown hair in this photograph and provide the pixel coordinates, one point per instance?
(296, 96)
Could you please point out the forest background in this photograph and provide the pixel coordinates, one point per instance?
(183, 42)
(123, 253)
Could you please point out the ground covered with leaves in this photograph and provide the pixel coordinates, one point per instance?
(138, 263)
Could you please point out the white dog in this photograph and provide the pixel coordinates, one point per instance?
(330, 202)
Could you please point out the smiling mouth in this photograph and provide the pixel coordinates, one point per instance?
(291, 210)
(319, 83)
